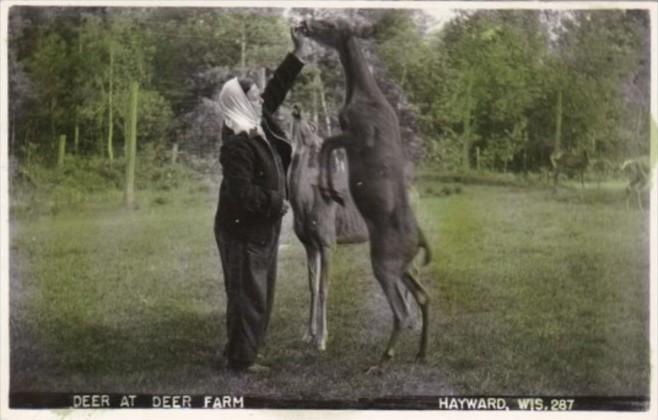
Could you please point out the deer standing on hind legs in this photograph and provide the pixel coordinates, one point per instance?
(371, 138)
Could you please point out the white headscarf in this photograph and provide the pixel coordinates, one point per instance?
(239, 115)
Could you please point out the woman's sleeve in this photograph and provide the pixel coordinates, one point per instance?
(237, 168)
(284, 77)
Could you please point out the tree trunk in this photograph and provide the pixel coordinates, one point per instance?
(641, 115)
(594, 144)
(76, 130)
(314, 96)
(526, 142)
(466, 119)
(76, 136)
(638, 123)
(110, 120)
(243, 52)
(52, 119)
(477, 158)
(558, 123)
(174, 153)
(101, 139)
(61, 150)
(12, 136)
(129, 191)
(27, 147)
(323, 103)
(261, 79)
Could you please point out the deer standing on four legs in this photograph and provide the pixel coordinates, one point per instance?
(314, 221)
(570, 163)
(638, 173)
(371, 138)
(602, 168)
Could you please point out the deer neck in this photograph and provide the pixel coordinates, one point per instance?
(357, 74)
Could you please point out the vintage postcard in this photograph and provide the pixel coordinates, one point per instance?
(328, 209)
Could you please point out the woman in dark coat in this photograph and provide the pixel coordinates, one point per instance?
(252, 200)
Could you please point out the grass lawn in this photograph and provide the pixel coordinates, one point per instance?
(532, 293)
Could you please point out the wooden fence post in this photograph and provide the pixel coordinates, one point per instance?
(61, 150)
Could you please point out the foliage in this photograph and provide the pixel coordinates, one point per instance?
(480, 91)
(87, 182)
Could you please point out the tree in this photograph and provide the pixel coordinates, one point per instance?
(489, 61)
(505, 83)
(21, 88)
(48, 71)
(598, 50)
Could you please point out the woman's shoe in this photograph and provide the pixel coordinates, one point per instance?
(253, 368)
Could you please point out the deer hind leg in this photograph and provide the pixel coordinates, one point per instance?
(389, 352)
(388, 277)
(556, 175)
(582, 185)
(628, 197)
(326, 181)
(313, 265)
(321, 315)
(641, 190)
(638, 194)
(422, 298)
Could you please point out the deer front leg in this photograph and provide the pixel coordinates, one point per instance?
(326, 182)
(323, 333)
(313, 265)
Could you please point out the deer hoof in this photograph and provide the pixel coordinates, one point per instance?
(322, 346)
(320, 343)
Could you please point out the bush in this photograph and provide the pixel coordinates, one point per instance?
(38, 188)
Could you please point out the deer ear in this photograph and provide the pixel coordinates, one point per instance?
(296, 111)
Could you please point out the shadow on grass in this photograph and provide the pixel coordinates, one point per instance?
(145, 345)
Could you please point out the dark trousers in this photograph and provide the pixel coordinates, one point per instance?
(249, 278)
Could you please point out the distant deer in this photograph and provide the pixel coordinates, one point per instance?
(314, 221)
(603, 168)
(638, 173)
(569, 163)
(371, 138)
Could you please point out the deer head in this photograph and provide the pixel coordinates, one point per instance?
(332, 33)
(304, 135)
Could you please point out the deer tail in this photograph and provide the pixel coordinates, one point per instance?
(422, 242)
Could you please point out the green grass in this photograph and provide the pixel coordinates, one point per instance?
(532, 293)
(540, 294)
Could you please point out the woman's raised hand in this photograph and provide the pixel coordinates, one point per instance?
(302, 49)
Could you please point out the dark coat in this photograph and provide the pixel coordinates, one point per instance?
(253, 186)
